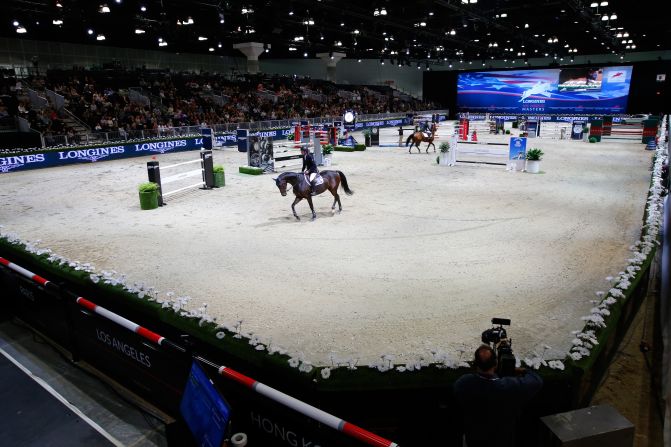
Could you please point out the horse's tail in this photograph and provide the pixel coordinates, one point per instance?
(345, 186)
(408, 140)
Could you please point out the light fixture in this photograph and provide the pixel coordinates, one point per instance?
(57, 22)
(100, 37)
(452, 32)
(594, 5)
(202, 38)
(89, 31)
(383, 12)
(604, 18)
(376, 12)
(526, 25)
(104, 9)
(21, 30)
(603, 4)
(358, 60)
(143, 8)
(139, 31)
(292, 48)
(626, 34)
(503, 15)
(210, 49)
(163, 44)
(291, 13)
(58, 5)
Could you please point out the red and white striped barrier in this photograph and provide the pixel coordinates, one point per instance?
(269, 392)
(28, 274)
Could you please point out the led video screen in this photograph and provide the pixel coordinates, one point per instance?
(592, 90)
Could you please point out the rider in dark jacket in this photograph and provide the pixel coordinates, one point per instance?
(309, 167)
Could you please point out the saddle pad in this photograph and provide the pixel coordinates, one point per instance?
(318, 180)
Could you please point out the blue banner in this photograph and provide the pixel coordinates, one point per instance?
(83, 155)
(595, 90)
(517, 148)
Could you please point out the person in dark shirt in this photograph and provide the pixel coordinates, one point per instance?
(489, 404)
(309, 167)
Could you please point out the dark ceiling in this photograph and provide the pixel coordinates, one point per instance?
(411, 31)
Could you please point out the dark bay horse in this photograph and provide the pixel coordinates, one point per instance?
(301, 188)
(419, 137)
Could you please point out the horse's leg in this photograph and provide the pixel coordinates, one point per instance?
(293, 205)
(314, 215)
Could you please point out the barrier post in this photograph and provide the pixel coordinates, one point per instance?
(154, 174)
(208, 168)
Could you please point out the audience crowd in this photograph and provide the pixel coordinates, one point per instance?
(122, 101)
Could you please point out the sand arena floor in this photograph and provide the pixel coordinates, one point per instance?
(421, 258)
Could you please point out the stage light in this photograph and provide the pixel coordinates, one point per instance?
(210, 49)
(201, 38)
(376, 12)
(604, 18)
(613, 17)
(603, 4)
(139, 31)
(594, 5)
(57, 22)
(143, 8)
(383, 12)
(21, 30)
(104, 9)
(100, 37)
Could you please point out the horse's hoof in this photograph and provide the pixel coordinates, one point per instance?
(297, 218)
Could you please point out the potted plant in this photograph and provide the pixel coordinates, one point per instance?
(148, 195)
(366, 135)
(290, 137)
(444, 153)
(219, 179)
(534, 157)
(592, 139)
(507, 131)
(327, 150)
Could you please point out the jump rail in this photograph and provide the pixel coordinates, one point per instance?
(206, 172)
(301, 407)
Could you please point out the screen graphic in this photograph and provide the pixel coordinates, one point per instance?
(206, 413)
(593, 90)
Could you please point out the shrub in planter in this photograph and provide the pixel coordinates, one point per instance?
(534, 157)
(507, 131)
(359, 147)
(290, 137)
(148, 195)
(219, 178)
(535, 154)
(592, 139)
(327, 149)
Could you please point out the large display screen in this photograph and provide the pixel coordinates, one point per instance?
(594, 90)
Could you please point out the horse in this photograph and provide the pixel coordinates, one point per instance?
(301, 188)
(419, 137)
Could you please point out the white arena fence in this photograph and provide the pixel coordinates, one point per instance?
(183, 178)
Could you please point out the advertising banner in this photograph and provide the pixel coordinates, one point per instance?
(517, 153)
(592, 90)
(71, 156)
(576, 130)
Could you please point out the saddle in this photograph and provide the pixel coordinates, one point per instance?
(316, 182)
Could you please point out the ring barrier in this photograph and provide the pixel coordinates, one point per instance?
(206, 173)
(301, 407)
(555, 130)
(286, 155)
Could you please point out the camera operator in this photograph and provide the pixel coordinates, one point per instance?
(489, 404)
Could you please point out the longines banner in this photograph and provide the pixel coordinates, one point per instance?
(66, 156)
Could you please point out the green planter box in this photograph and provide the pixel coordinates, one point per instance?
(148, 200)
(219, 179)
(250, 170)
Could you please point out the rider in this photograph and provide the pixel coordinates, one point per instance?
(426, 129)
(309, 167)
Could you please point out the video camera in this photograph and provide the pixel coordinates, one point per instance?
(497, 338)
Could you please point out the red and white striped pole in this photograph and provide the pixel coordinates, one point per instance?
(305, 409)
(27, 273)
